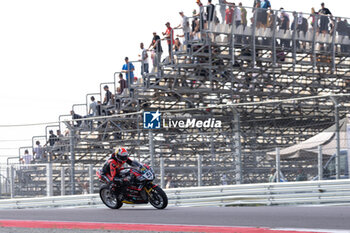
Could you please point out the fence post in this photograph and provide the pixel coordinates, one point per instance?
(199, 170)
(337, 135)
(91, 176)
(12, 182)
(335, 27)
(0, 184)
(274, 59)
(49, 185)
(162, 173)
(320, 166)
(278, 165)
(295, 15)
(348, 144)
(314, 60)
(253, 49)
(151, 147)
(238, 149)
(62, 182)
(7, 188)
(232, 38)
(72, 157)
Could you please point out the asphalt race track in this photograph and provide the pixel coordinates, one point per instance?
(271, 217)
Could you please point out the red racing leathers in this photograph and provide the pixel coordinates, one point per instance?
(112, 167)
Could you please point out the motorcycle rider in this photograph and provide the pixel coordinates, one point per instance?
(112, 167)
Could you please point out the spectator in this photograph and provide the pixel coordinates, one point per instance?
(229, 15)
(92, 111)
(52, 139)
(301, 26)
(201, 15)
(185, 27)
(59, 135)
(223, 179)
(342, 29)
(92, 107)
(259, 15)
(272, 177)
(60, 139)
(108, 96)
(313, 17)
(243, 15)
(169, 37)
(84, 186)
(144, 60)
(238, 15)
(254, 5)
(270, 19)
(177, 45)
(210, 11)
(26, 158)
(76, 117)
(157, 49)
(38, 151)
(223, 9)
(195, 25)
(284, 20)
(264, 6)
(128, 68)
(107, 101)
(169, 182)
(122, 84)
(301, 175)
(324, 20)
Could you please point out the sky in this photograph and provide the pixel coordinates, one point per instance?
(54, 52)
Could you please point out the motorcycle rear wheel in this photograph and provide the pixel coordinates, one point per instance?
(109, 199)
(158, 198)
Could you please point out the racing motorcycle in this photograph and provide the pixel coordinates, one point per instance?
(140, 190)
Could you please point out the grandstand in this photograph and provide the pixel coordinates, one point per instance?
(223, 66)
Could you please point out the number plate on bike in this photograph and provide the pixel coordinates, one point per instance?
(148, 175)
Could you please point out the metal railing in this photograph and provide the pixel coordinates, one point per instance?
(335, 192)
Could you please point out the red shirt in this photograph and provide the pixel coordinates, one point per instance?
(228, 17)
(169, 31)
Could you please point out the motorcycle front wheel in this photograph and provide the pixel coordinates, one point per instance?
(158, 198)
(109, 198)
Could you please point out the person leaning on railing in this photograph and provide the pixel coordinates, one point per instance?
(76, 117)
(185, 26)
(195, 25)
(324, 20)
(301, 27)
(201, 15)
(156, 48)
(243, 15)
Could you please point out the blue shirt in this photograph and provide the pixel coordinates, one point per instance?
(128, 67)
(265, 4)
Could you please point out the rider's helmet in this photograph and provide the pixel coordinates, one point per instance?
(121, 154)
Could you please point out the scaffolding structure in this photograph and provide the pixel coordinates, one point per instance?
(224, 64)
